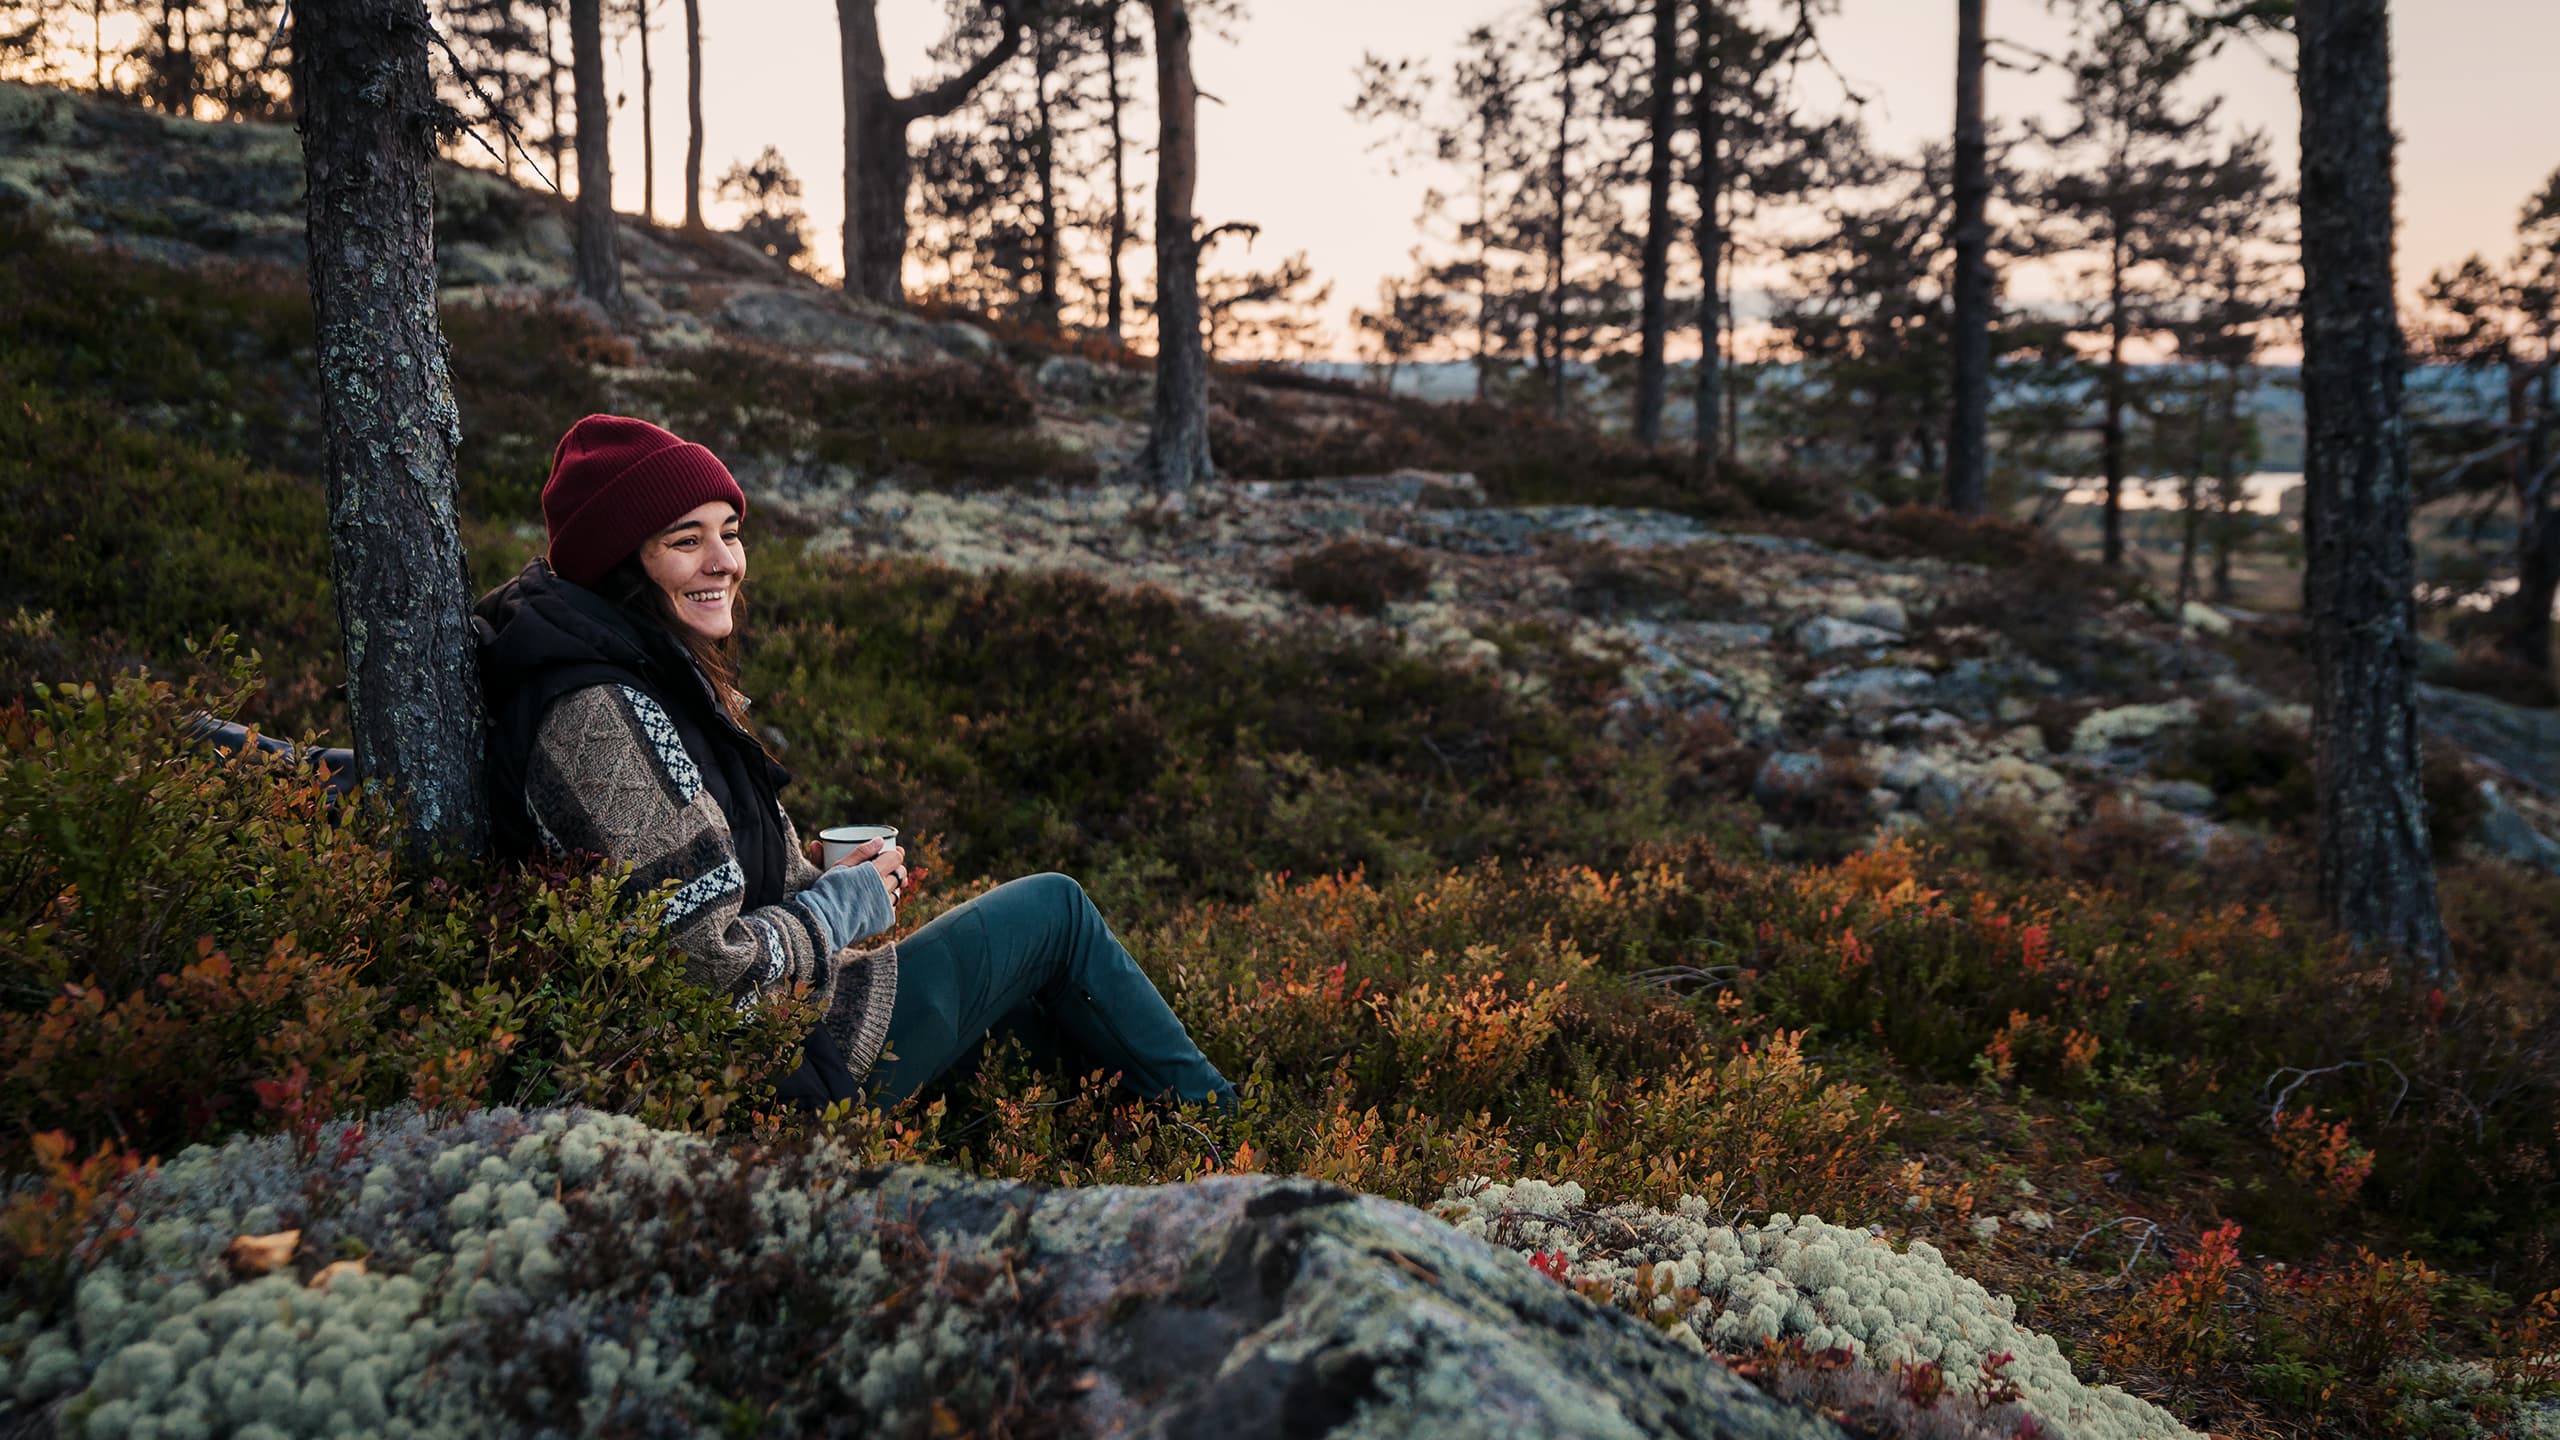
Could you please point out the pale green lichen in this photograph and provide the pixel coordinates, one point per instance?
(1788, 1277)
(506, 1254)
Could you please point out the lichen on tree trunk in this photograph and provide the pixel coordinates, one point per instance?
(369, 120)
(2377, 882)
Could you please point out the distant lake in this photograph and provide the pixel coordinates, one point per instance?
(2262, 493)
(2268, 492)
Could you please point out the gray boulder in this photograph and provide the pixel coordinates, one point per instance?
(1828, 635)
(1788, 775)
(807, 318)
(2523, 742)
(2504, 832)
(551, 1273)
(1079, 381)
(1877, 688)
(2184, 797)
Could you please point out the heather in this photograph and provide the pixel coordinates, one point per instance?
(1454, 930)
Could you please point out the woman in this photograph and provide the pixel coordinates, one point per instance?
(616, 728)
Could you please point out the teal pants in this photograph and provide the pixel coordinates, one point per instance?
(1033, 957)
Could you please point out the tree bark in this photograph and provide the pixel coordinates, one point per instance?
(2377, 883)
(1968, 430)
(599, 248)
(1044, 168)
(1116, 296)
(2227, 486)
(1657, 224)
(648, 124)
(1177, 453)
(2523, 619)
(693, 115)
(1710, 122)
(2191, 498)
(878, 168)
(1553, 310)
(558, 139)
(2112, 397)
(369, 117)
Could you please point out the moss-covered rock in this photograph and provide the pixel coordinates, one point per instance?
(565, 1271)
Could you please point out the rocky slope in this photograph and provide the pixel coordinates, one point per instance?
(1899, 689)
(1890, 676)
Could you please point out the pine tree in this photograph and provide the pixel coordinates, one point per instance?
(2131, 149)
(2377, 882)
(1968, 430)
(599, 248)
(2233, 269)
(879, 168)
(370, 116)
(2504, 322)
(693, 115)
(1177, 453)
(1662, 120)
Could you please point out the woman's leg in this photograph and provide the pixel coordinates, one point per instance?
(1034, 939)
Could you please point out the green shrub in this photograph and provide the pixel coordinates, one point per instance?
(192, 944)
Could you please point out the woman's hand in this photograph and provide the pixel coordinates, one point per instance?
(888, 859)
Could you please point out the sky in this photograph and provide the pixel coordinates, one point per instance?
(2479, 120)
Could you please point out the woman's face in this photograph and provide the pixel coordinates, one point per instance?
(699, 562)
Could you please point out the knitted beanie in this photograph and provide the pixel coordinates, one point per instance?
(615, 482)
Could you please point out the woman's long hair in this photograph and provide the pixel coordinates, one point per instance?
(628, 585)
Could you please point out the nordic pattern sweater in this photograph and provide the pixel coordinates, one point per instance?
(609, 774)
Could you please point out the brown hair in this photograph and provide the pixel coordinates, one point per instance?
(628, 585)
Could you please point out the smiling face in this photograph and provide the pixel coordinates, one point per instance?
(699, 562)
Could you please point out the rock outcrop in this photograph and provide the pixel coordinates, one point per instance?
(568, 1272)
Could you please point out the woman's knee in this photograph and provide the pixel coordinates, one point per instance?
(1051, 890)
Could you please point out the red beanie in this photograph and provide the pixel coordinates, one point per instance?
(615, 482)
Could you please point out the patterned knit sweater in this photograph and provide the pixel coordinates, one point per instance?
(609, 775)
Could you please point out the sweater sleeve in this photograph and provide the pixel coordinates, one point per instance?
(607, 776)
(855, 908)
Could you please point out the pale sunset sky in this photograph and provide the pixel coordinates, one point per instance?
(2479, 117)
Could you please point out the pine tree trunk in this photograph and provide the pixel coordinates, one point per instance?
(2112, 399)
(1177, 453)
(1968, 432)
(2377, 882)
(866, 89)
(2227, 486)
(1710, 122)
(558, 140)
(1657, 222)
(599, 248)
(1554, 307)
(648, 124)
(2191, 499)
(2524, 618)
(878, 170)
(369, 113)
(1484, 261)
(693, 115)
(1115, 298)
(1044, 169)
